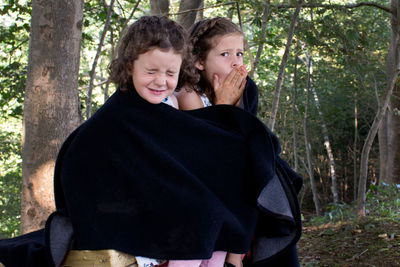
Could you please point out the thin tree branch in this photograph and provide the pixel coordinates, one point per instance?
(282, 66)
(333, 6)
(130, 17)
(93, 71)
(94, 85)
(263, 33)
(202, 8)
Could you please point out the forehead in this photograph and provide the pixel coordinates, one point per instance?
(229, 40)
(157, 56)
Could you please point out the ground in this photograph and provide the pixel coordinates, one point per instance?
(368, 242)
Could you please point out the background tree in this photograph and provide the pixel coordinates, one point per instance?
(51, 106)
(158, 7)
(187, 19)
(393, 67)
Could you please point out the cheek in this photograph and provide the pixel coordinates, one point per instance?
(222, 72)
(172, 82)
(222, 67)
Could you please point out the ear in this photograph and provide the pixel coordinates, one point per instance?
(199, 64)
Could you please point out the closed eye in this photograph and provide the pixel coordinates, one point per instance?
(171, 73)
(150, 71)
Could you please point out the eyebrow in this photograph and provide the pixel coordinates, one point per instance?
(230, 49)
(156, 69)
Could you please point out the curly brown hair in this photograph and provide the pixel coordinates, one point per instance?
(204, 35)
(152, 32)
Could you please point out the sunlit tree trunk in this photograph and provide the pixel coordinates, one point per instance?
(282, 66)
(328, 148)
(188, 18)
(332, 169)
(308, 145)
(51, 107)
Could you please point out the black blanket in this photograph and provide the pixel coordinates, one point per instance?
(154, 181)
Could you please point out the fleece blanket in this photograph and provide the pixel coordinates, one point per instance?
(153, 181)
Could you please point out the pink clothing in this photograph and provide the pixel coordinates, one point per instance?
(217, 260)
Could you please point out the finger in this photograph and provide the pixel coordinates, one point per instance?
(236, 80)
(216, 83)
(242, 85)
(243, 68)
(231, 76)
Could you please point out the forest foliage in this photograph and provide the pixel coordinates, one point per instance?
(347, 46)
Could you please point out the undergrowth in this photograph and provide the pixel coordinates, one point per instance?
(382, 201)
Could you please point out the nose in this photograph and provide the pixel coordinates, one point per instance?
(236, 61)
(160, 80)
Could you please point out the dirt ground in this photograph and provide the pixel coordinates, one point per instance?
(370, 242)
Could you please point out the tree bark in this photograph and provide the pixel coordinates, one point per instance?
(96, 58)
(51, 107)
(393, 66)
(282, 67)
(159, 7)
(188, 18)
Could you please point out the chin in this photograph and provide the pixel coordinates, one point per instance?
(155, 101)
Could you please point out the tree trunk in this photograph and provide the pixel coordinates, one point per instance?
(393, 62)
(282, 67)
(200, 13)
(308, 146)
(328, 148)
(355, 149)
(51, 107)
(296, 160)
(263, 32)
(392, 70)
(383, 151)
(159, 7)
(393, 175)
(188, 18)
(393, 81)
(362, 183)
(96, 58)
